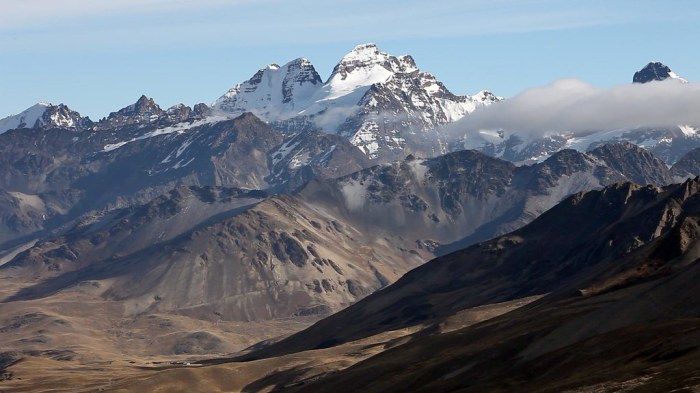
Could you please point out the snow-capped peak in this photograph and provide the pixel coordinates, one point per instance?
(371, 97)
(359, 70)
(486, 96)
(408, 63)
(25, 119)
(277, 93)
(375, 65)
(274, 92)
(369, 53)
(45, 115)
(363, 52)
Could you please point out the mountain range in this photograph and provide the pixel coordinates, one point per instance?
(382, 104)
(154, 235)
(400, 214)
(596, 294)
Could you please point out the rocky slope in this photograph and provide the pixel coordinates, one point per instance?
(138, 153)
(329, 245)
(201, 252)
(687, 167)
(619, 266)
(617, 310)
(465, 197)
(110, 234)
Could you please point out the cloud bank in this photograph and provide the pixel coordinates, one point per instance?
(571, 105)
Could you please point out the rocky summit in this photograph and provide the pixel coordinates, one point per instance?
(655, 71)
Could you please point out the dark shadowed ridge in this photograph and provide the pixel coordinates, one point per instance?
(576, 245)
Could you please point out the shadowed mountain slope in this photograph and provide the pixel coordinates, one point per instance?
(618, 269)
(590, 243)
(223, 252)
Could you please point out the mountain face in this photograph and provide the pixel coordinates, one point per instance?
(307, 155)
(215, 253)
(639, 165)
(143, 113)
(382, 103)
(465, 197)
(687, 166)
(425, 207)
(602, 256)
(109, 234)
(669, 144)
(274, 92)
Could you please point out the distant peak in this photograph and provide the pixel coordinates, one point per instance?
(655, 71)
(142, 105)
(179, 110)
(364, 53)
(301, 70)
(408, 61)
(144, 110)
(144, 102)
(369, 58)
(44, 115)
(485, 95)
(143, 99)
(365, 47)
(299, 63)
(273, 66)
(300, 60)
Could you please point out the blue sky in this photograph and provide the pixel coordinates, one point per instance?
(98, 56)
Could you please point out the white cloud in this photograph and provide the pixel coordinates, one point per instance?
(575, 106)
(332, 117)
